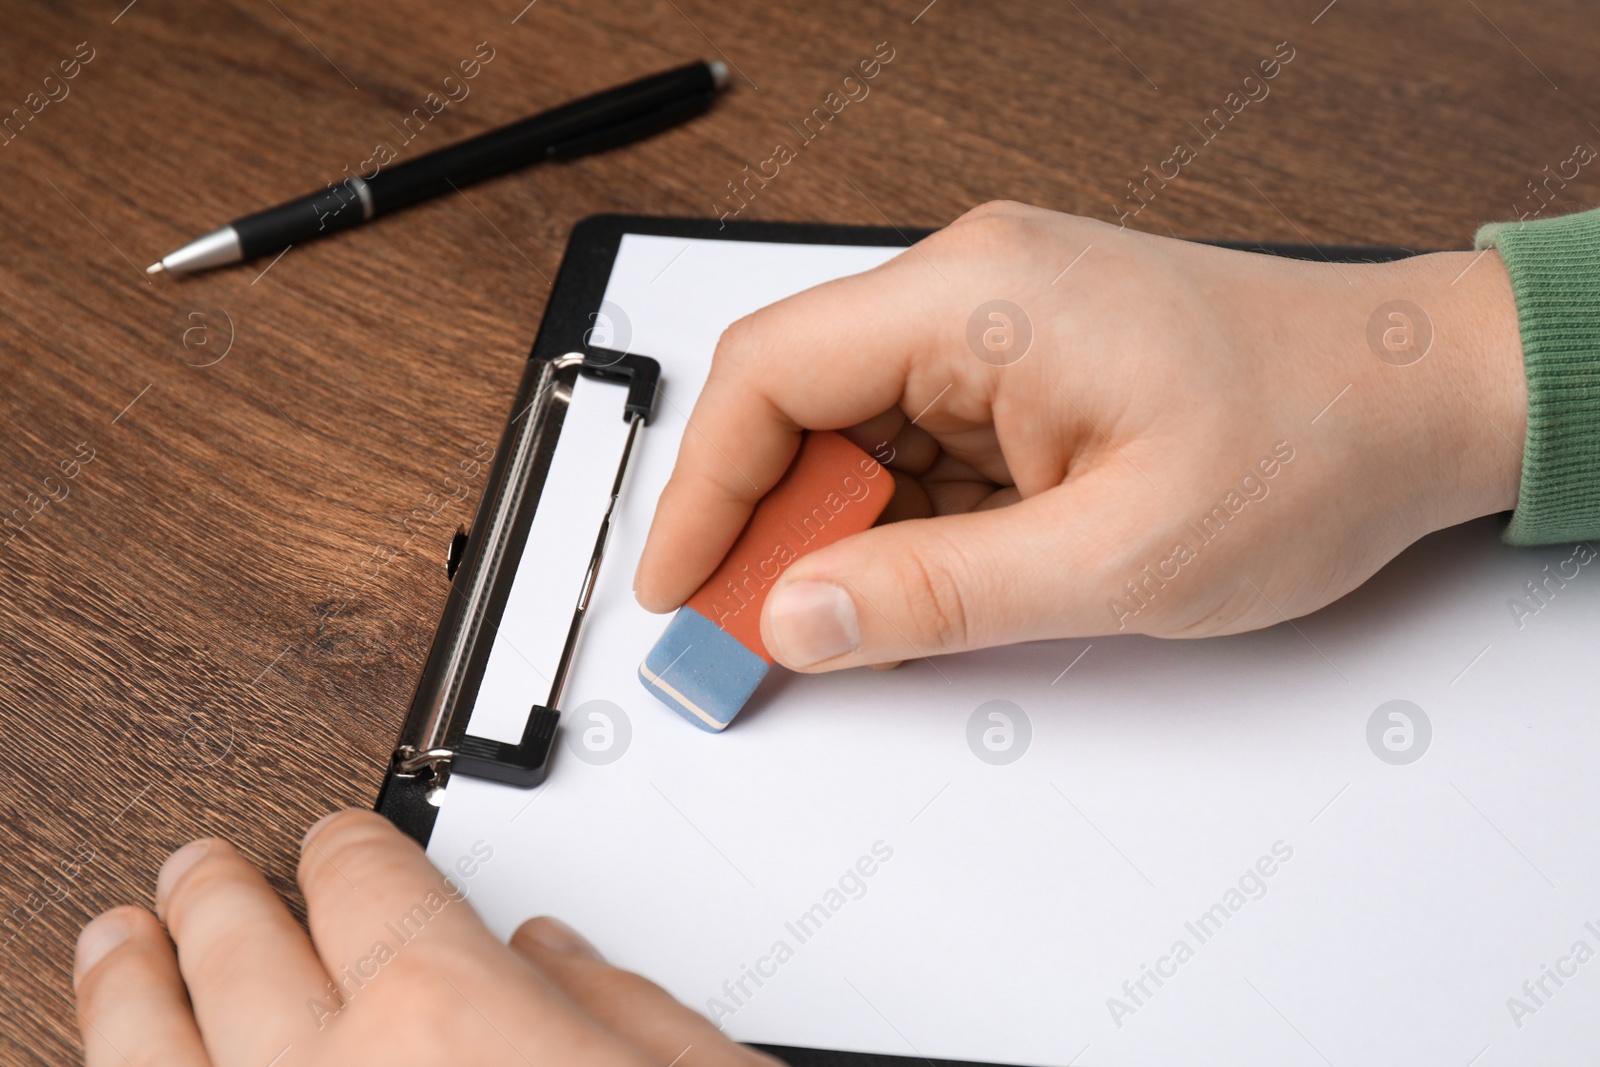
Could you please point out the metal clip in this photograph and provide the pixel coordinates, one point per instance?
(433, 741)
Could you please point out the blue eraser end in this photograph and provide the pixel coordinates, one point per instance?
(700, 671)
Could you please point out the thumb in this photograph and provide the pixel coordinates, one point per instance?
(924, 587)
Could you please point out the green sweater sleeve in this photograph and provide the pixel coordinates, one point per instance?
(1555, 275)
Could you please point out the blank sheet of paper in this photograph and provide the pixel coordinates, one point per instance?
(1203, 851)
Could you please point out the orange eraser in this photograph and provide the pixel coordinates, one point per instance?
(711, 656)
(830, 491)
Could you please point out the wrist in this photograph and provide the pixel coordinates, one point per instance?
(1467, 390)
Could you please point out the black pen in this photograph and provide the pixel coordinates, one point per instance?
(607, 119)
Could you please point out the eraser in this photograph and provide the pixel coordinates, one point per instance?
(711, 657)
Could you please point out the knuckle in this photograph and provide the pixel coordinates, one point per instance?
(992, 209)
(135, 1053)
(199, 914)
(991, 233)
(217, 871)
(935, 599)
(141, 1056)
(611, 986)
(213, 961)
(599, 985)
(410, 991)
(713, 477)
(340, 841)
(738, 342)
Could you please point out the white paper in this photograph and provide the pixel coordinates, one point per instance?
(1019, 898)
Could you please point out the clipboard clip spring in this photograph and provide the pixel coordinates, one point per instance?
(434, 743)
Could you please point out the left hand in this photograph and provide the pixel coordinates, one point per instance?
(226, 977)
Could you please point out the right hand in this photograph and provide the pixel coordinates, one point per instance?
(1049, 497)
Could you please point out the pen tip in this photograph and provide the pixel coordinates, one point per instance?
(719, 73)
(154, 268)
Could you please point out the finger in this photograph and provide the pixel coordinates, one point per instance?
(248, 965)
(366, 882)
(1035, 569)
(895, 441)
(947, 468)
(386, 920)
(829, 358)
(132, 1007)
(877, 434)
(999, 498)
(910, 500)
(634, 1007)
(956, 498)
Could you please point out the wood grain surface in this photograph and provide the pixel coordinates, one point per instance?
(227, 498)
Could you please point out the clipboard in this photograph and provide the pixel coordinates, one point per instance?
(436, 741)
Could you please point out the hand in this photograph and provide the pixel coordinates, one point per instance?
(246, 987)
(1196, 441)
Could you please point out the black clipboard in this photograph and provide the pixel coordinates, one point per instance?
(433, 742)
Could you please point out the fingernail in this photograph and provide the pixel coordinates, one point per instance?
(560, 938)
(314, 827)
(177, 863)
(95, 940)
(813, 621)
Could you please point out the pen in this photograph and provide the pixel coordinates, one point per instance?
(605, 120)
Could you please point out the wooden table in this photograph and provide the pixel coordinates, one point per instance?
(227, 499)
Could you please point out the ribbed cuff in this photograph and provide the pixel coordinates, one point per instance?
(1555, 274)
